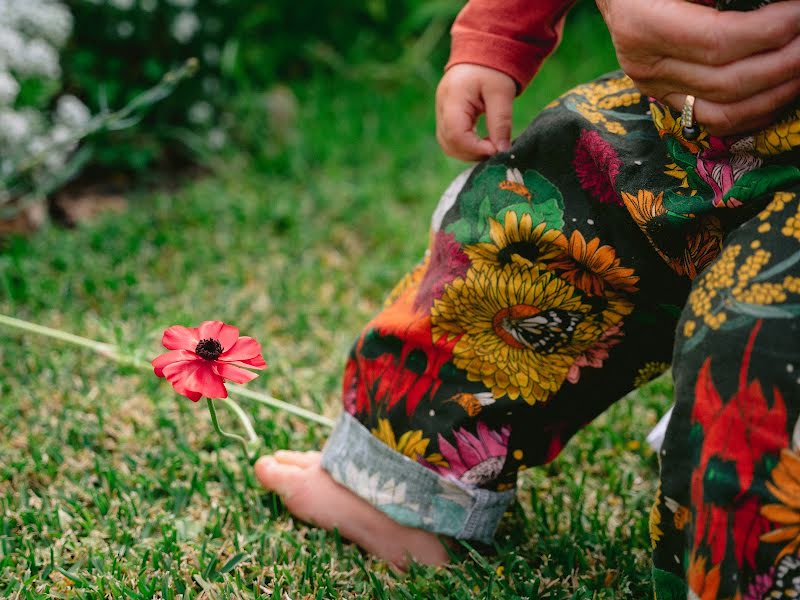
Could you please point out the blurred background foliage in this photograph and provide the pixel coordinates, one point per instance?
(66, 66)
(119, 48)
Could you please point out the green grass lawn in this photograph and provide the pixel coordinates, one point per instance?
(112, 486)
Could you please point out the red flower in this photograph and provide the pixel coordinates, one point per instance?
(201, 358)
(597, 166)
(739, 433)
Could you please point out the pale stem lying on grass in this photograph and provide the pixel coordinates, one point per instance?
(110, 351)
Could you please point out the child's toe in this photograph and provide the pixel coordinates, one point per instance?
(283, 479)
(300, 459)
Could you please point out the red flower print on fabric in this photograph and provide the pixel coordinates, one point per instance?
(201, 358)
(737, 434)
(597, 166)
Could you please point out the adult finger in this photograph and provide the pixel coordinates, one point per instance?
(740, 117)
(499, 107)
(646, 32)
(728, 83)
(456, 135)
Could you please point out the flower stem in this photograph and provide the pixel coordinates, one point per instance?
(281, 405)
(249, 445)
(110, 351)
(99, 347)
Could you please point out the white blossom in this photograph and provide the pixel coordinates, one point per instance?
(9, 88)
(148, 5)
(185, 26)
(125, 29)
(216, 138)
(14, 127)
(39, 58)
(72, 112)
(12, 45)
(38, 18)
(31, 34)
(200, 112)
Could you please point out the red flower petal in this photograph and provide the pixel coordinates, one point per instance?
(193, 396)
(177, 374)
(234, 374)
(217, 330)
(228, 336)
(178, 337)
(170, 357)
(246, 349)
(257, 362)
(206, 381)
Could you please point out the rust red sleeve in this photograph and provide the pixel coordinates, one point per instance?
(512, 36)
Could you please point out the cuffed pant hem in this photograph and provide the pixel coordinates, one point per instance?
(406, 491)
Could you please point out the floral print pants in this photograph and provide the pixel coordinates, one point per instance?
(600, 249)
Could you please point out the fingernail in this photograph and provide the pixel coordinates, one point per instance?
(503, 146)
(265, 462)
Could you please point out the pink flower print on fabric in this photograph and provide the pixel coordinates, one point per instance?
(722, 164)
(447, 263)
(474, 460)
(595, 355)
(597, 166)
(760, 585)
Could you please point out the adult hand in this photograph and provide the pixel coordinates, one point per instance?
(464, 93)
(743, 67)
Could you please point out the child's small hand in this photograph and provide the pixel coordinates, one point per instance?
(465, 92)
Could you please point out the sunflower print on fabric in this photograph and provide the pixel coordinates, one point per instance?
(521, 316)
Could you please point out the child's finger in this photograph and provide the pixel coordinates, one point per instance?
(499, 102)
(457, 137)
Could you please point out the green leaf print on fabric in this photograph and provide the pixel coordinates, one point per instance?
(680, 208)
(688, 162)
(498, 189)
(668, 586)
(763, 181)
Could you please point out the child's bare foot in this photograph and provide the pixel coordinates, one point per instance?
(312, 495)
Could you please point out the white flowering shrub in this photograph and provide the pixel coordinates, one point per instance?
(38, 128)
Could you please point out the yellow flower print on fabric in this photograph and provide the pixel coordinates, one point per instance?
(781, 137)
(411, 443)
(593, 100)
(649, 372)
(516, 240)
(744, 279)
(776, 205)
(703, 301)
(654, 523)
(792, 226)
(519, 328)
(667, 124)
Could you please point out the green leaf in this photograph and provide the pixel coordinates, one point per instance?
(232, 562)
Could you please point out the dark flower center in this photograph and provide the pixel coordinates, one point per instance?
(208, 349)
